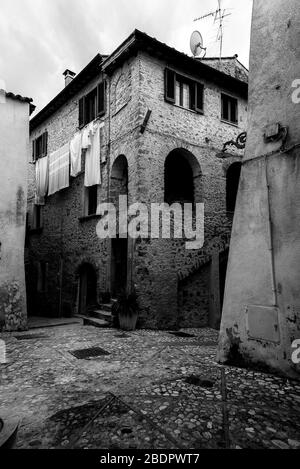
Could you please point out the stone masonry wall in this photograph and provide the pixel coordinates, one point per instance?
(67, 240)
(156, 266)
(160, 264)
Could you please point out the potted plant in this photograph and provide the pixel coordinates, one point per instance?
(126, 310)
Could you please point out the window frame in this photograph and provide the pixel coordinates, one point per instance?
(87, 213)
(40, 143)
(231, 98)
(194, 86)
(85, 116)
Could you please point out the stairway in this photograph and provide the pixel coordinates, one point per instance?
(99, 315)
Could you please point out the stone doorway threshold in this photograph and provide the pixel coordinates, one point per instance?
(36, 322)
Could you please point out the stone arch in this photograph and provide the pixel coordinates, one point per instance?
(119, 178)
(232, 185)
(182, 177)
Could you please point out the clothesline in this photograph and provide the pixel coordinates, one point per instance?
(53, 172)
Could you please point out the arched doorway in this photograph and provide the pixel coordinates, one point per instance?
(119, 245)
(87, 288)
(232, 185)
(182, 177)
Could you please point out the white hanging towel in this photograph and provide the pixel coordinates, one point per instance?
(41, 180)
(86, 136)
(92, 158)
(75, 154)
(59, 167)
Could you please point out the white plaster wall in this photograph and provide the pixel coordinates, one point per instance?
(274, 65)
(14, 144)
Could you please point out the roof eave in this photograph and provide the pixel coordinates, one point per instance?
(70, 90)
(139, 40)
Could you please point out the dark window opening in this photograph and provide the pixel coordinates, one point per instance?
(92, 105)
(229, 109)
(179, 183)
(39, 146)
(232, 185)
(36, 218)
(183, 91)
(92, 200)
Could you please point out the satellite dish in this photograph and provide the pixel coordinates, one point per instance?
(196, 44)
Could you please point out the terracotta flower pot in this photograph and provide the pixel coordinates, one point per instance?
(128, 323)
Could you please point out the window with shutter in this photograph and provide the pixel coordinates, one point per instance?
(101, 92)
(92, 105)
(229, 109)
(183, 91)
(40, 146)
(81, 113)
(33, 150)
(199, 91)
(45, 143)
(170, 86)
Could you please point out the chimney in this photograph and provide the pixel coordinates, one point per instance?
(69, 76)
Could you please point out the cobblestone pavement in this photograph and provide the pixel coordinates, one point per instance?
(153, 390)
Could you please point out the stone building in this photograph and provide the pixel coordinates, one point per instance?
(261, 320)
(163, 116)
(14, 147)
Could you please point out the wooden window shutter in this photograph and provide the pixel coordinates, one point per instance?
(33, 150)
(44, 143)
(170, 86)
(199, 90)
(81, 105)
(101, 98)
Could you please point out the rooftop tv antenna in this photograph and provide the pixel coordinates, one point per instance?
(219, 16)
(196, 44)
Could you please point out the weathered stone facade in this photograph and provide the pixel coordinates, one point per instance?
(160, 270)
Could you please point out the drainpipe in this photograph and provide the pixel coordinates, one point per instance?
(108, 267)
(270, 236)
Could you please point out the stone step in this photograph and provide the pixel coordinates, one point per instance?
(89, 321)
(100, 314)
(106, 307)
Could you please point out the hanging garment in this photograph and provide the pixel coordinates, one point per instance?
(59, 167)
(86, 136)
(75, 154)
(92, 158)
(41, 180)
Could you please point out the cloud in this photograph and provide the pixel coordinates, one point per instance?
(41, 38)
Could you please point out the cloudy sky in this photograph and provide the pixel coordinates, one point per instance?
(39, 39)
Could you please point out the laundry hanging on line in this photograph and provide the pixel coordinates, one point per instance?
(59, 169)
(42, 180)
(75, 154)
(92, 175)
